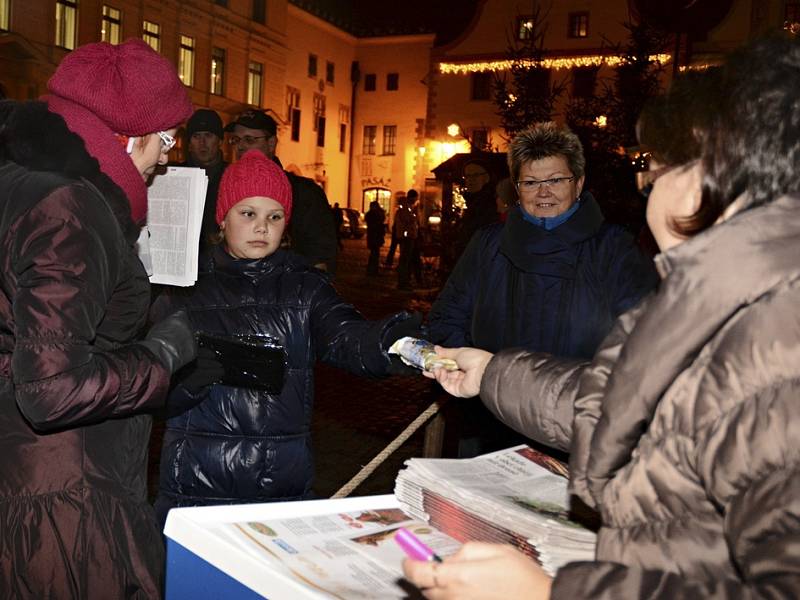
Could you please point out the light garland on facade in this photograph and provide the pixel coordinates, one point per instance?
(595, 60)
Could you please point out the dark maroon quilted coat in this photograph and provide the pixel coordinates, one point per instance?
(74, 517)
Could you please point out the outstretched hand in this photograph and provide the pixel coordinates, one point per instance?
(480, 571)
(466, 382)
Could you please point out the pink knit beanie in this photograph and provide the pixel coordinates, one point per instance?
(130, 89)
(253, 175)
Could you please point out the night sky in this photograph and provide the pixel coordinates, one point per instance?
(446, 18)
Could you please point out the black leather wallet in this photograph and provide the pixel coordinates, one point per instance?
(248, 361)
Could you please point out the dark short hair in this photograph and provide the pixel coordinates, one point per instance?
(544, 140)
(670, 123)
(412, 193)
(751, 146)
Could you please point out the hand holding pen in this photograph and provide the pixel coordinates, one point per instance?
(478, 571)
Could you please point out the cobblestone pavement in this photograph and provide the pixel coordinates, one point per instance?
(355, 417)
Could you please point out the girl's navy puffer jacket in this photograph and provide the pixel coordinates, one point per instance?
(246, 445)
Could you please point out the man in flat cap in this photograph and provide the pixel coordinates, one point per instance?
(204, 139)
(312, 230)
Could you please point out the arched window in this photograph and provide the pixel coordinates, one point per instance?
(382, 195)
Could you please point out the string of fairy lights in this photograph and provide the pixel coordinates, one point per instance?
(555, 63)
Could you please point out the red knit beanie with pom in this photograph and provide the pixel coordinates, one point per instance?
(129, 89)
(253, 175)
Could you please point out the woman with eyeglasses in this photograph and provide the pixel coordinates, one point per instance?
(683, 428)
(78, 374)
(552, 278)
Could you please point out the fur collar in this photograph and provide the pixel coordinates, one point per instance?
(34, 137)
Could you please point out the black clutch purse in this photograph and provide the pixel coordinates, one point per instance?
(248, 361)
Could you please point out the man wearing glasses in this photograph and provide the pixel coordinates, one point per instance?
(478, 192)
(311, 230)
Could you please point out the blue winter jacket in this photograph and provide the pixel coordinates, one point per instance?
(246, 445)
(558, 291)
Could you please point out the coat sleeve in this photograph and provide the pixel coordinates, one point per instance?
(65, 258)
(533, 393)
(450, 317)
(345, 339)
(631, 274)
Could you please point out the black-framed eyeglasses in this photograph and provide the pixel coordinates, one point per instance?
(248, 140)
(531, 186)
(167, 141)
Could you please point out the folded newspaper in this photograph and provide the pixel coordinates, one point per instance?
(517, 496)
(169, 245)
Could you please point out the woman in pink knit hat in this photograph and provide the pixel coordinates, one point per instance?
(77, 373)
(242, 442)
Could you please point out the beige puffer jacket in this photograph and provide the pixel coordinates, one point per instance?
(684, 430)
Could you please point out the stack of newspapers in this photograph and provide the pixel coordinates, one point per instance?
(517, 496)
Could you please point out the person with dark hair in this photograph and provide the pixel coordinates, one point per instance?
(552, 278)
(479, 195)
(400, 200)
(203, 140)
(313, 233)
(376, 230)
(239, 443)
(682, 430)
(77, 371)
(407, 224)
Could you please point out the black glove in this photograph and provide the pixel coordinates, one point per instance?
(172, 341)
(410, 327)
(194, 378)
(204, 371)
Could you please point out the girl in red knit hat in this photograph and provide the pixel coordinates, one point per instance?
(77, 373)
(252, 443)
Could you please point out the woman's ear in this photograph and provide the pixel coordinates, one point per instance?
(579, 184)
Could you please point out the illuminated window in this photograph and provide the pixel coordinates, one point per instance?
(578, 25)
(370, 81)
(217, 71)
(255, 73)
(66, 23)
(151, 34)
(312, 65)
(370, 135)
(525, 27)
(112, 22)
(389, 139)
(186, 60)
(293, 111)
(481, 85)
(792, 17)
(5, 9)
(329, 72)
(392, 81)
(260, 11)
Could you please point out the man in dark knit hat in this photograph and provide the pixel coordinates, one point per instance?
(203, 139)
(312, 230)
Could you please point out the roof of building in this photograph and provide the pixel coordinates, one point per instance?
(367, 18)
